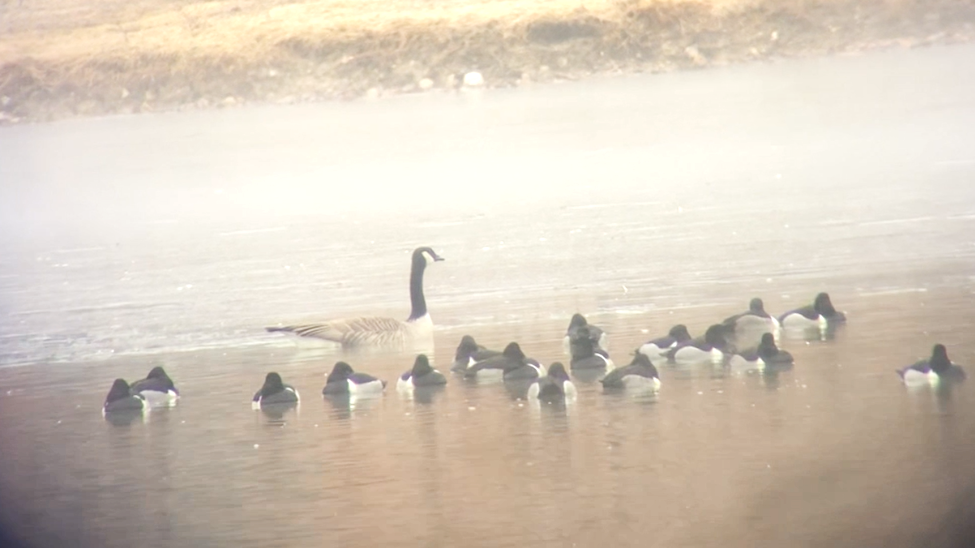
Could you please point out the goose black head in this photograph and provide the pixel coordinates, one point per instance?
(557, 371)
(513, 351)
(340, 372)
(119, 391)
(418, 255)
(679, 332)
(421, 366)
(939, 359)
(757, 306)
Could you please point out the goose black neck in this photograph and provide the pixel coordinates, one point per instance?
(417, 301)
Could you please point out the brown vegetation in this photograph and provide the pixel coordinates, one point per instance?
(76, 57)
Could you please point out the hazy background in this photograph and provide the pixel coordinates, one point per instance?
(640, 201)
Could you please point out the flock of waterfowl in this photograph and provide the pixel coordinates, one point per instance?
(746, 340)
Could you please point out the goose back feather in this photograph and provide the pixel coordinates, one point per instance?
(377, 330)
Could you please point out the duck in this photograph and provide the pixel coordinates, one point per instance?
(469, 352)
(820, 314)
(120, 399)
(709, 347)
(343, 380)
(640, 375)
(274, 391)
(528, 370)
(157, 388)
(574, 333)
(586, 355)
(659, 347)
(933, 370)
(510, 358)
(375, 331)
(420, 375)
(555, 386)
(766, 354)
(754, 318)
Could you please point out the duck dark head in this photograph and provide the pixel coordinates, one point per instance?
(119, 391)
(340, 372)
(466, 347)
(823, 305)
(767, 348)
(680, 333)
(557, 371)
(756, 306)
(272, 384)
(642, 360)
(421, 366)
(577, 321)
(513, 351)
(159, 373)
(939, 359)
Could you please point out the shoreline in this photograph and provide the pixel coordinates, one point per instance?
(409, 55)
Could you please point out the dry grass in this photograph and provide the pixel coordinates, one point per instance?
(69, 57)
(63, 30)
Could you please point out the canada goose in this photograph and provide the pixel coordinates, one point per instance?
(379, 331)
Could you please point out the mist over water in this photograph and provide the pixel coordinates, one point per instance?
(642, 201)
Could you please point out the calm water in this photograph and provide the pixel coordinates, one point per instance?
(642, 202)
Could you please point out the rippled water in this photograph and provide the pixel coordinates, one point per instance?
(641, 202)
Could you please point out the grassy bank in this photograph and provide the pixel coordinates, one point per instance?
(66, 58)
